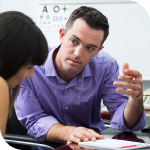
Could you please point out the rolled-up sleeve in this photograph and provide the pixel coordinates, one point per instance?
(31, 114)
(118, 120)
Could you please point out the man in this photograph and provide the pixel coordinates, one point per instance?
(61, 103)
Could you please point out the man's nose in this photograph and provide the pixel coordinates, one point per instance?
(78, 51)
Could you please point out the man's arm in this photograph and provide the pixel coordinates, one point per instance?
(30, 112)
(43, 126)
(134, 107)
(70, 134)
(133, 111)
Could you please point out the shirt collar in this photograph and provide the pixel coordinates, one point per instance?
(86, 72)
(49, 64)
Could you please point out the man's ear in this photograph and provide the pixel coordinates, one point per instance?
(61, 34)
(99, 49)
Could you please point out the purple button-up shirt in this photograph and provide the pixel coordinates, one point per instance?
(46, 99)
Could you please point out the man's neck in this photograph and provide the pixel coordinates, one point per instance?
(66, 76)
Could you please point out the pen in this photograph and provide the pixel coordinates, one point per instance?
(132, 76)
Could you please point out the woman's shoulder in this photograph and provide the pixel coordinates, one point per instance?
(3, 84)
(4, 93)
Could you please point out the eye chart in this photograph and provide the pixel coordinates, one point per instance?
(50, 19)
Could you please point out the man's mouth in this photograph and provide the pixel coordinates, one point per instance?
(75, 62)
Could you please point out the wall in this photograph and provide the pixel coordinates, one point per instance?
(129, 39)
(28, 7)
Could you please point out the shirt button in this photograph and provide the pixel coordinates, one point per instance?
(66, 107)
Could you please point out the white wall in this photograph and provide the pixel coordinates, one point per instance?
(26, 6)
(129, 40)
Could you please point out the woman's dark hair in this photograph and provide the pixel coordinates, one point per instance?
(21, 43)
(94, 18)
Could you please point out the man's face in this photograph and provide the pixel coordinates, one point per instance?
(78, 45)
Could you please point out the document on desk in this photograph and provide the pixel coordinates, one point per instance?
(114, 144)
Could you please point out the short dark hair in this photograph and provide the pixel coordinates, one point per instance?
(94, 18)
(21, 42)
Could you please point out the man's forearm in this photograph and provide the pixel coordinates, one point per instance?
(59, 133)
(132, 113)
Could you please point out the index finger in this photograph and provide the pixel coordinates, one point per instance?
(124, 67)
(97, 135)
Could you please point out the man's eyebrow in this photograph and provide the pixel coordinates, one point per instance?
(76, 37)
(93, 45)
(88, 44)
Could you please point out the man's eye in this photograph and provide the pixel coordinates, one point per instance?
(74, 42)
(90, 48)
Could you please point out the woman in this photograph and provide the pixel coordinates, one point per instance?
(22, 45)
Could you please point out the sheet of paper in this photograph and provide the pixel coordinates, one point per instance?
(114, 144)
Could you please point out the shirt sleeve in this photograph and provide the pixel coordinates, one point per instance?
(118, 120)
(36, 121)
(116, 102)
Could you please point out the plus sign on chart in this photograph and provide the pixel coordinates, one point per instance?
(65, 8)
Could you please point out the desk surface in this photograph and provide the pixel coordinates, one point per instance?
(136, 136)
